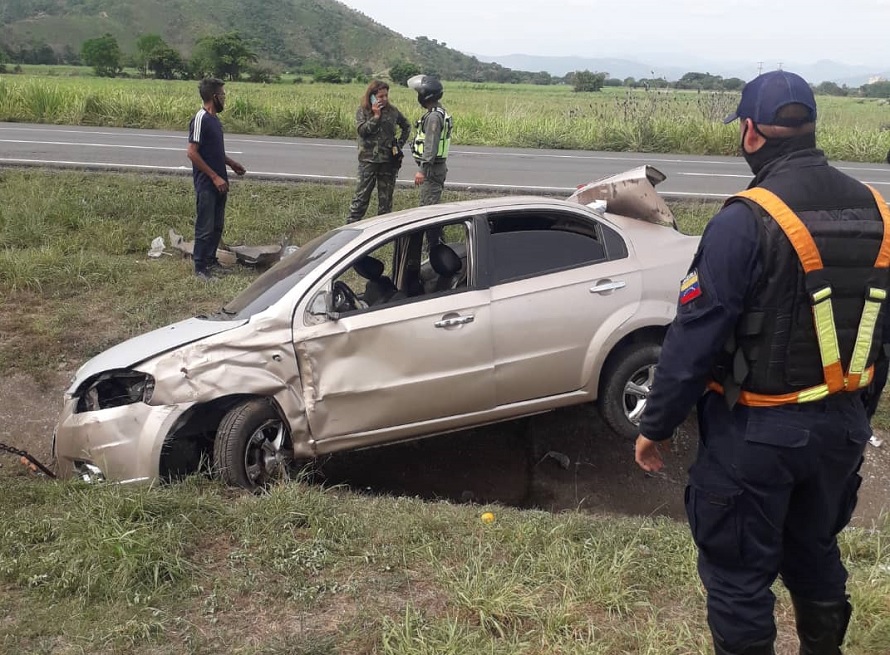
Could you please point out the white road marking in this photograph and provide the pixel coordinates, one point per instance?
(102, 145)
(91, 163)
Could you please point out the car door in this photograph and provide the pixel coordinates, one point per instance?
(558, 278)
(402, 363)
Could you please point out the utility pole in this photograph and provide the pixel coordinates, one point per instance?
(759, 67)
(780, 65)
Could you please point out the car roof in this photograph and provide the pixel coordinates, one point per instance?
(406, 216)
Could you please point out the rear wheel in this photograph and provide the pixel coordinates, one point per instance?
(252, 447)
(625, 387)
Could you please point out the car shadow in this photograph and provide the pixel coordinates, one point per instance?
(560, 460)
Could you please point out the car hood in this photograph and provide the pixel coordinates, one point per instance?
(138, 349)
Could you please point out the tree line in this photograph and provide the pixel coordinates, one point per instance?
(231, 57)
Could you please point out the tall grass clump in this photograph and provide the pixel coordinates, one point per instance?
(120, 543)
(523, 116)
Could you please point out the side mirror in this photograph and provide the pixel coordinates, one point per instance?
(322, 305)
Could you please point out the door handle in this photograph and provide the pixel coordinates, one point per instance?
(606, 287)
(454, 320)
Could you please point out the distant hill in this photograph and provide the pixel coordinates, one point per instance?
(820, 71)
(287, 33)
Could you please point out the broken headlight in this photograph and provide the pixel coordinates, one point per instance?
(115, 389)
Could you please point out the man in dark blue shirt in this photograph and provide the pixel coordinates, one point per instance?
(207, 152)
(778, 338)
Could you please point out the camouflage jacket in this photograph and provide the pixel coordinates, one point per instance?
(377, 136)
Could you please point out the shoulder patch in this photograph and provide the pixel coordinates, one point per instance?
(690, 289)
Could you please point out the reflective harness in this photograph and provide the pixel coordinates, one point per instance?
(857, 376)
(444, 137)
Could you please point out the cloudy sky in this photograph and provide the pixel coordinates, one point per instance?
(789, 31)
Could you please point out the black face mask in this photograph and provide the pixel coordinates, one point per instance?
(774, 148)
(217, 105)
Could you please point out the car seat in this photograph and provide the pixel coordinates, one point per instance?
(379, 288)
(447, 264)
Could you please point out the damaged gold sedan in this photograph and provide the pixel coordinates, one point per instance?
(401, 326)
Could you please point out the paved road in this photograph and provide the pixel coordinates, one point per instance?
(518, 170)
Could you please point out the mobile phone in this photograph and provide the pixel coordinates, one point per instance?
(374, 100)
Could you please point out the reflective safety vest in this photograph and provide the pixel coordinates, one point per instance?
(444, 136)
(860, 370)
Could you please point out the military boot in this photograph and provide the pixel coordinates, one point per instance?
(821, 625)
(765, 647)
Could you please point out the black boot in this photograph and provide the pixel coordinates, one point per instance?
(757, 648)
(821, 625)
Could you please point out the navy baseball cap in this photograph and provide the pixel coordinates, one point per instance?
(766, 94)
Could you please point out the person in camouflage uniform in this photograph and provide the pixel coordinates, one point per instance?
(379, 150)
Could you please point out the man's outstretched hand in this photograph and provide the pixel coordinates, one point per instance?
(648, 456)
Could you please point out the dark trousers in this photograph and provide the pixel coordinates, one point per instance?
(383, 175)
(210, 218)
(768, 493)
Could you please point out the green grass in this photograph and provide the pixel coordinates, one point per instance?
(195, 568)
(526, 116)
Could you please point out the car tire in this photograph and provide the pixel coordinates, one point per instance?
(625, 387)
(252, 447)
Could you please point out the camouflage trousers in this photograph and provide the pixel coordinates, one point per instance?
(433, 184)
(369, 175)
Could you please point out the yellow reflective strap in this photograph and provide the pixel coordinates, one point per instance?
(823, 316)
(762, 400)
(791, 225)
(822, 294)
(812, 394)
(865, 335)
(883, 258)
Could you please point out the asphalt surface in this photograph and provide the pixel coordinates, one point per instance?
(322, 160)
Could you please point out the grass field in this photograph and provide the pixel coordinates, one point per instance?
(616, 119)
(194, 568)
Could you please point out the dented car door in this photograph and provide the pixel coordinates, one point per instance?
(398, 366)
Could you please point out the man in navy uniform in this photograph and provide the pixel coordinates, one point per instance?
(780, 322)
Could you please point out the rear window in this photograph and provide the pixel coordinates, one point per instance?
(526, 244)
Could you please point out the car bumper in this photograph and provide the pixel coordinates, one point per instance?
(120, 444)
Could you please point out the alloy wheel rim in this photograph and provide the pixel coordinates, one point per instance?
(636, 392)
(266, 456)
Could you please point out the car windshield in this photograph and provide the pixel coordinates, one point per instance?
(271, 286)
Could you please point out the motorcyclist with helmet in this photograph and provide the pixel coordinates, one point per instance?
(432, 139)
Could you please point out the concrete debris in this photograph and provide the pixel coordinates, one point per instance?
(258, 256)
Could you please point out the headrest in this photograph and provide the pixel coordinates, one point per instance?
(369, 267)
(444, 260)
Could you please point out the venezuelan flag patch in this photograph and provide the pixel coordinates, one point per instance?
(690, 289)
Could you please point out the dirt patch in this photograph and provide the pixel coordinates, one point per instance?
(561, 460)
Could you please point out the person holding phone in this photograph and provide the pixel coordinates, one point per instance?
(379, 150)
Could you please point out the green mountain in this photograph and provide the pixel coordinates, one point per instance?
(290, 34)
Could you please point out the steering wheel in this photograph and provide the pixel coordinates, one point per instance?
(344, 298)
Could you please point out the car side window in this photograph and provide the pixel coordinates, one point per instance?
(411, 267)
(525, 244)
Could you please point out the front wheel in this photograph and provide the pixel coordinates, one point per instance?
(252, 446)
(625, 387)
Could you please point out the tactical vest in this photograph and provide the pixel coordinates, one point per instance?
(444, 136)
(813, 323)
